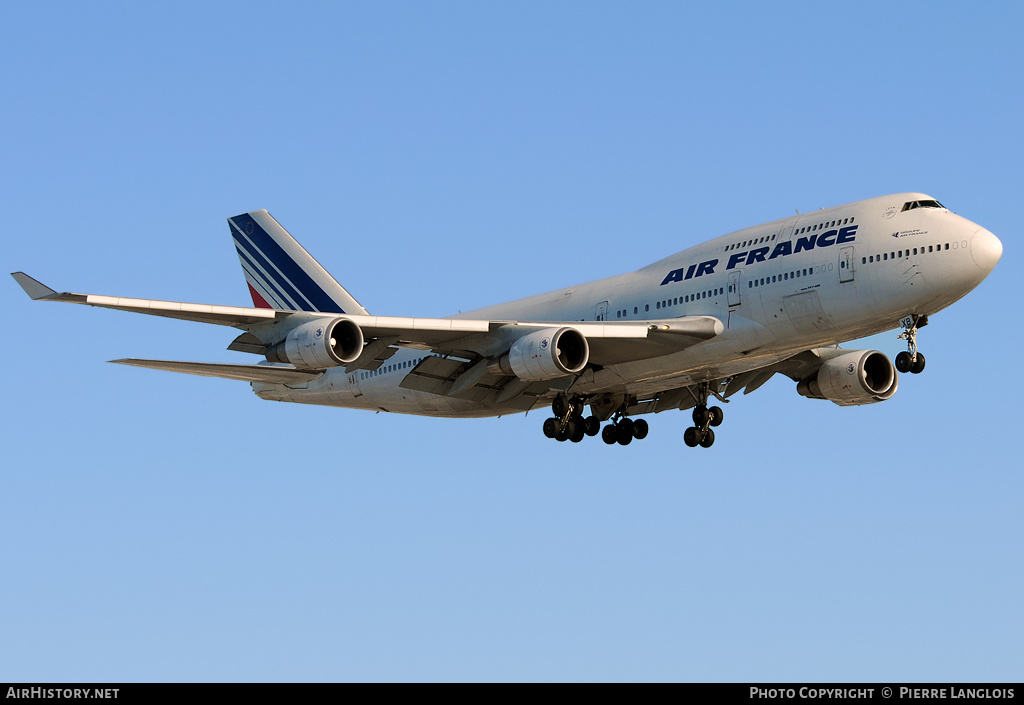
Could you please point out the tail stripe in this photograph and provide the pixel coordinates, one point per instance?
(259, 277)
(257, 298)
(291, 274)
(266, 271)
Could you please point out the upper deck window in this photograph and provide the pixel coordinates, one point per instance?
(911, 205)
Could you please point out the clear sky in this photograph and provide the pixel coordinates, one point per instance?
(445, 156)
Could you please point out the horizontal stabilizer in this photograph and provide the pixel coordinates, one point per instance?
(246, 373)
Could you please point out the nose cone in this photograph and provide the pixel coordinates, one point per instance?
(986, 249)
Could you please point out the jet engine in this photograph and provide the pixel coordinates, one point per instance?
(545, 354)
(855, 378)
(319, 344)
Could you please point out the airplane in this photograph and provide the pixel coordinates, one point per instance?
(704, 323)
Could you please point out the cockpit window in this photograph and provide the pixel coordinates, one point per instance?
(911, 205)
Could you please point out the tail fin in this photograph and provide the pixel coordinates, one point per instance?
(280, 273)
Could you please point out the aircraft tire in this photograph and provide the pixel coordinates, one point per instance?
(918, 367)
(593, 426)
(904, 362)
(717, 415)
(551, 427)
(559, 406)
(640, 429)
(700, 416)
(609, 435)
(579, 433)
(708, 440)
(691, 437)
(624, 435)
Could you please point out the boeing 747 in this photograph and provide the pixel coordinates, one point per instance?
(703, 324)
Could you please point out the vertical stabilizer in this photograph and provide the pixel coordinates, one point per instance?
(279, 271)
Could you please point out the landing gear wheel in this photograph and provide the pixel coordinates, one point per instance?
(624, 433)
(551, 427)
(691, 437)
(593, 426)
(626, 427)
(918, 366)
(717, 415)
(559, 406)
(911, 360)
(640, 429)
(579, 432)
(609, 435)
(708, 440)
(700, 416)
(565, 432)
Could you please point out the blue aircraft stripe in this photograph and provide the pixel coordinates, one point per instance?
(299, 300)
(289, 297)
(298, 276)
(268, 286)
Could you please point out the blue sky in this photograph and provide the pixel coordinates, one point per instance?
(447, 156)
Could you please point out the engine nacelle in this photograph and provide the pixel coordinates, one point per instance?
(858, 377)
(545, 354)
(320, 344)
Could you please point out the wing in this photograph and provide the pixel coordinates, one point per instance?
(236, 316)
(274, 374)
(472, 346)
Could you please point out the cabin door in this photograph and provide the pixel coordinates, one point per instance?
(734, 288)
(846, 264)
(353, 384)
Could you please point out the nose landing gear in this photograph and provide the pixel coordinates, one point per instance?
(911, 360)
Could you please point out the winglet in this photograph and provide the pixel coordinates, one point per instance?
(36, 290)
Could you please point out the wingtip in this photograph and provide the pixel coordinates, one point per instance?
(34, 288)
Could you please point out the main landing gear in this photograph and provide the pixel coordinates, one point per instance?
(568, 424)
(911, 360)
(624, 430)
(700, 434)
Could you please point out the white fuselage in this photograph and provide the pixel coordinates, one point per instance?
(780, 288)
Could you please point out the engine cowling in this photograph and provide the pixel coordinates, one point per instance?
(320, 344)
(545, 354)
(856, 378)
